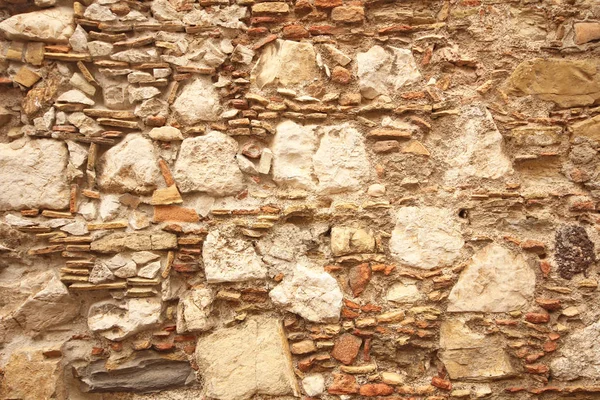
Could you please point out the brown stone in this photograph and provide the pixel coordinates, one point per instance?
(388, 134)
(386, 146)
(26, 77)
(346, 348)
(341, 75)
(549, 304)
(348, 14)
(376, 389)
(358, 278)
(343, 384)
(166, 196)
(328, 3)
(175, 213)
(350, 99)
(441, 383)
(295, 32)
(303, 347)
(537, 318)
(586, 32)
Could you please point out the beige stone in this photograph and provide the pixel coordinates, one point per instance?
(589, 128)
(29, 376)
(54, 25)
(586, 32)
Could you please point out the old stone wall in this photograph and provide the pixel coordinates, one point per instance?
(334, 199)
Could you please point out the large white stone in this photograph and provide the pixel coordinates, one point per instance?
(384, 71)
(496, 280)
(426, 237)
(287, 63)
(310, 292)
(51, 306)
(54, 25)
(579, 356)
(193, 311)
(471, 356)
(341, 162)
(207, 164)
(130, 166)
(243, 361)
(477, 148)
(293, 148)
(34, 175)
(117, 320)
(230, 260)
(198, 101)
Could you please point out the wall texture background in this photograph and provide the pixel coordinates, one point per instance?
(234, 199)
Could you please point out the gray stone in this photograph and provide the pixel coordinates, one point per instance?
(117, 320)
(247, 360)
(579, 356)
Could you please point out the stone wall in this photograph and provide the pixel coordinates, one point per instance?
(335, 199)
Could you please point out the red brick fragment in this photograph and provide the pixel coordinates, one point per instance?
(539, 369)
(537, 318)
(549, 304)
(441, 383)
(343, 384)
(376, 389)
(328, 3)
(346, 348)
(358, 278)
(295, 32)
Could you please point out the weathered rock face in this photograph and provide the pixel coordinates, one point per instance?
(293, 147)
(589, 128)
(193, 311)
(426, 237)
(471, 356)
(496, 280)
(569, 83)
(28, 375)
(578, 358)
(146, 371)
(478, 151)
(313, 294)
(382, 71)
(198, 101)
(51, 306)
(118, 242)
(207, 164)
(117, 320)
(247, 360)
(230, 260)
(287, 63)
(574, 251)
(33, 175)
(130, 166)
(54, 25)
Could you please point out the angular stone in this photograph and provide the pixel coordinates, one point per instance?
(382, 71)
(401, 293)
(230, 260)
(293, 147)
(197, 102)
(343, 384)
(309, 292)
(287, 63)
(478, 151)
(313, 384)
(426, 237)
(145, 371)
(471, 356)
(166, 196)
(100, 274)
(579, 356)
(54, 25)
(118, 242)
(348, 240)
(49, 307)
(130, 166)
(165, 134)
(251, 359)
(586, 32)
(117, 320)
(34, 175)
(207, 164)
(358, 278)
(193, 311)
(175, 213)
(496, 280)
(568, 83)
(346, 348)
(589, 128)
(28, 375)
(97, 12)
(574, 251)
(271, 8)
(150, 270)
(76, 97)
(341, 163)
(348, 14)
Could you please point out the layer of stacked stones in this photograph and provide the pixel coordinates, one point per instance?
(335, 199)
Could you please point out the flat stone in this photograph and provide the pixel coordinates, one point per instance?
(207, 164)
(34, 175)
(309, 292)
(385, 71)
(150, 270)
(471, 356)
(478, 152)
(145, 371)
(401, 293)
(495, 280)
(76, 97)
(165, 134)
(426, 237)
(568, 83)
(346, 348)
(117, 320)
(287, 63)
(193, 311)
(293, 148)
(251, 359)
(228, 259)
(579, 355)
(51, 306)
(130, 166)
(271, 8)
(588, 128)
(341, 163)
(586, 32)
(118, 242)
(198, 101)
(536, 135)
(54, 25)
